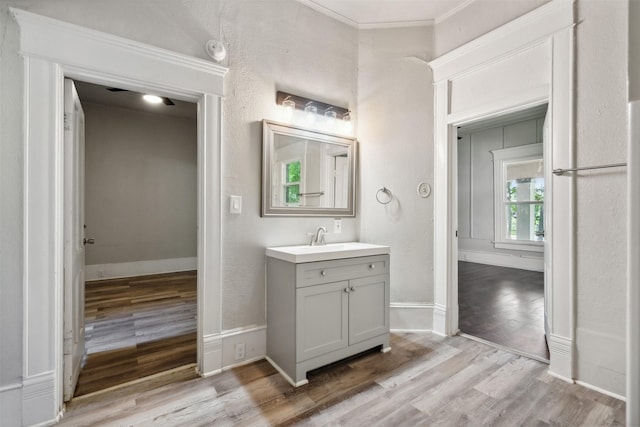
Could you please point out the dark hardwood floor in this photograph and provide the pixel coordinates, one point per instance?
(425, 380)
(135, 327)
(503, 306)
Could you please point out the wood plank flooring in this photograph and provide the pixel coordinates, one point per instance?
(423, 380)
(504, 306)
(137, 327)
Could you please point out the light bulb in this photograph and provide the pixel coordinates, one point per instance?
(347, 123)
(152, 99)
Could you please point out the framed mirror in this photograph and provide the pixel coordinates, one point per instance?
(307, 172)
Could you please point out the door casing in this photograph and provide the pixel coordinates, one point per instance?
(52, 50)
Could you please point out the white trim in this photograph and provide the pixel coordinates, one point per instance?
(448, 14)
(211, 355)
(502, 157)
(633, 268)
(365, 25)
(285, 375)
(53, 50)
(254, 339)
(539, 24)
(502, 260)
(560, 349)
(547, 31)
(601, 390)
(139, 268)
(38, 398)
(411, 317)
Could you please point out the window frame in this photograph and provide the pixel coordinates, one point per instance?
(501, 158)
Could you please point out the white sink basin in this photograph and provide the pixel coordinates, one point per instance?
(306, 253)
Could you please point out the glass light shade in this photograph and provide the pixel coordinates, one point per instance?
(288, 107)
(310, 113)
(330, 118)
(347, 123)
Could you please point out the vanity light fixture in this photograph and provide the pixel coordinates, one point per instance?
(312, 108)
(152, 99)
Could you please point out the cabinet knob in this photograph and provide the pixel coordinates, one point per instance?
(323, 273)
(372, 266)
(352, 289)
(347, 290)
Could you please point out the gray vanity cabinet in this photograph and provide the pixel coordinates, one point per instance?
(321, 312)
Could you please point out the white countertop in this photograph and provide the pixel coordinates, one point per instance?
(307, 253)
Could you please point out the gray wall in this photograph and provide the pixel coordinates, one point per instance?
(141, 185)
(475, 182)
(395, 105)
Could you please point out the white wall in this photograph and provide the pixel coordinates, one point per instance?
(395, 129)
(478, 18)
(476, 186)
(601, 240)
(140, 186)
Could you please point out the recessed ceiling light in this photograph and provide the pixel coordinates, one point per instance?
(152, 99)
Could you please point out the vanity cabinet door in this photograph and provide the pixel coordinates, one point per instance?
(322, 316)
(368, 308)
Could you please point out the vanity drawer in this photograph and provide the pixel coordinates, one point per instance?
(314, 273)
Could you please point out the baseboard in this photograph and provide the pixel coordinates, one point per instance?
(502, 260)
(220, 349)
(405, 317)
(39, 399)
(440, 320)
(560, 350)
(601, 390)
(10, 404)
(139, 268)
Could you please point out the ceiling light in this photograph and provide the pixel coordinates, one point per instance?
(310, 112)
(152, 99)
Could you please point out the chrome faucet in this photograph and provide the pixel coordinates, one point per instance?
(318, 238)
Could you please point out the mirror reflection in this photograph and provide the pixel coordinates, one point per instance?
(307, 172)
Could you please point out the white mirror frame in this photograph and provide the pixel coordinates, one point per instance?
(270, 129)
(53, 50)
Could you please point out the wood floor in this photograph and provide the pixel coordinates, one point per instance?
(504, 306)
(136, 327)
(424, 380)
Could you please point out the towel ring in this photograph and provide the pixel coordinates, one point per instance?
(386, 191)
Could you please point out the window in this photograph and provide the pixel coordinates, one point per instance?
(291, 183)
(519, 198)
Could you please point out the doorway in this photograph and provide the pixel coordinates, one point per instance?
(501, 194)
(140, 234)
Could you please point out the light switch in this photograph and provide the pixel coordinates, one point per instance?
(235, 206)
(337, 225)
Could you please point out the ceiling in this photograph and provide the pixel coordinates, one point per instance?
(98, 94)
(365, 14)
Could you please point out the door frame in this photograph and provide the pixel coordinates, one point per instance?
(464, 92)
(52, 50)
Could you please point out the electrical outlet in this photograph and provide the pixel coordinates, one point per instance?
(239, 351)
(337, 225)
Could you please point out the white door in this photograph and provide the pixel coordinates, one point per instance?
(546, 139)
(73, 238)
